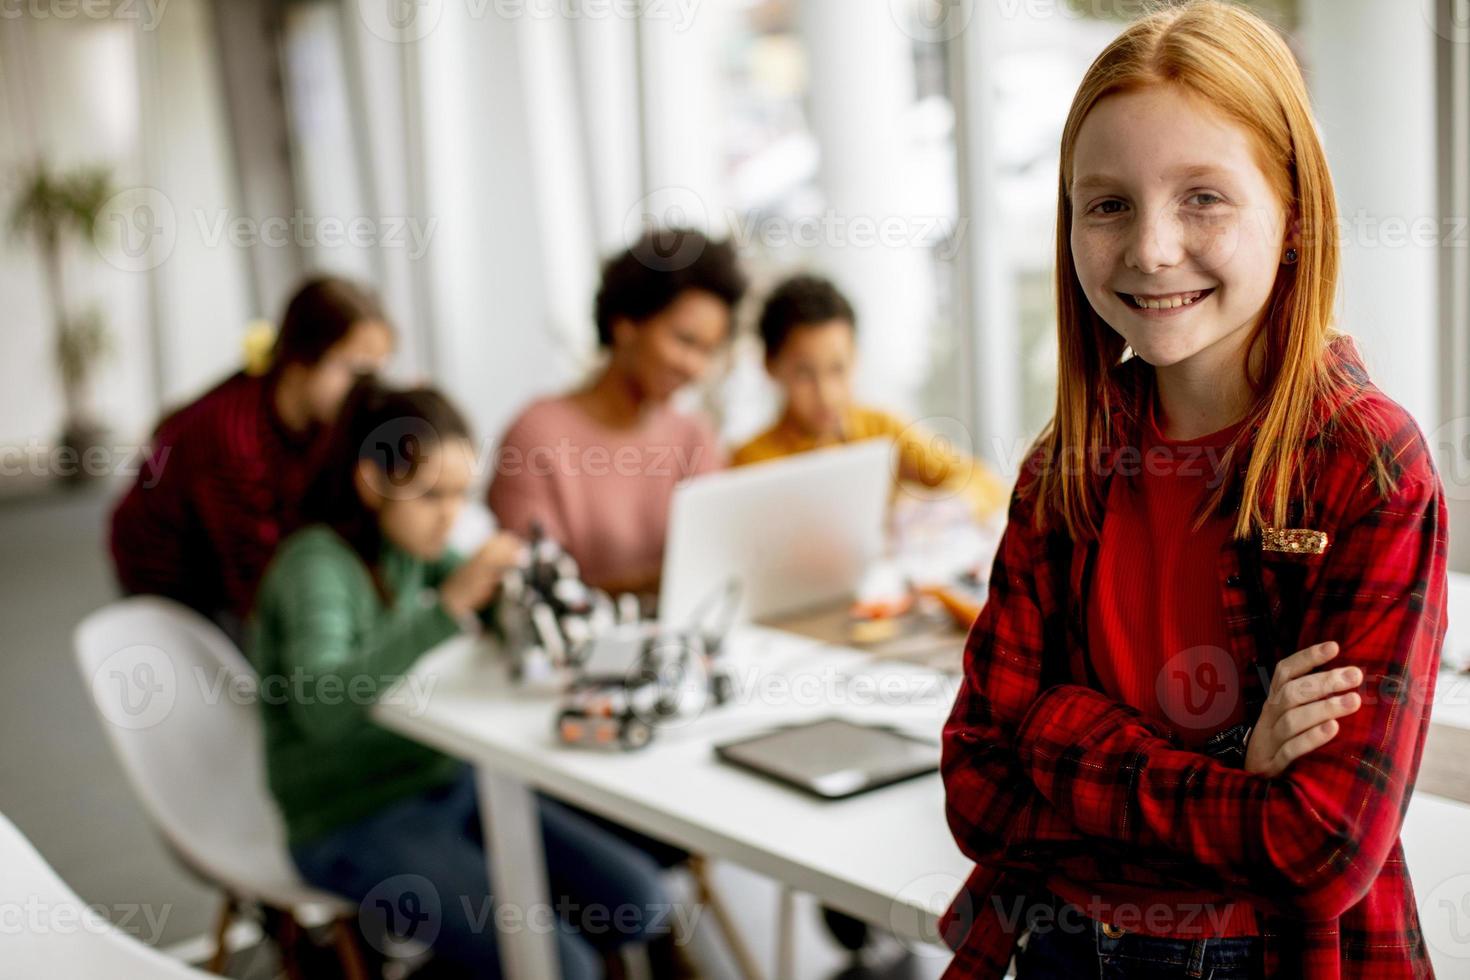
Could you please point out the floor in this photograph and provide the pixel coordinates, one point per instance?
(60, 784)
(59, 781)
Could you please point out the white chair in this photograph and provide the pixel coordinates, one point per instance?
(58, 935)
(177, 700)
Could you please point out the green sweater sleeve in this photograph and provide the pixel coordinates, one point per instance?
(341, 648)
(437, 571)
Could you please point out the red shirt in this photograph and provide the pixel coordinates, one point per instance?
(1156, 629)
(1045, 774)
(222, 486)
(1157, 639)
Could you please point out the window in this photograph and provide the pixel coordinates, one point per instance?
(1038, 53)
(833, 152)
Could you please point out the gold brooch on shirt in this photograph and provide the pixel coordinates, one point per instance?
(1294, 540)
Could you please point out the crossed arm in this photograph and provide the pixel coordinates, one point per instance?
(1067, 779)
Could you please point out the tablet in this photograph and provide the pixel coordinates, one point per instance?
(833, 758)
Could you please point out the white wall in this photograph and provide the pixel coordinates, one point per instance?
(380, 70)
(1370, 68)
(202, 300)
(141, 98)
(862, 84)
(562, 191)
(474, 132)
(489, 303)
(325, 136)
(605, 66)
(67, 98)
(29, 397)
(683, 103)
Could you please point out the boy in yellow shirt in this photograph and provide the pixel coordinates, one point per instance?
(809, 329)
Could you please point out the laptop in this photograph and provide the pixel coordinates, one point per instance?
(791, 535)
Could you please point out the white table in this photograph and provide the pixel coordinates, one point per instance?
(886, 857)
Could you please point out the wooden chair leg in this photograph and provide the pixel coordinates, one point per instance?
(221, 952)
(699, 869)
(288, 942)
(349, 953)
(613, 967)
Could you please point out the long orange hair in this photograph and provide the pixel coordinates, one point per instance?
(1243, 67)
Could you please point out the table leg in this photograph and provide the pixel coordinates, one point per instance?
(517, 861)
(786, 935)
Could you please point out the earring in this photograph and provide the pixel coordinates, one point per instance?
(1291, 256)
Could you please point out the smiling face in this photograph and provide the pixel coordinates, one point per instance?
(814, 368)
(1177, 235)
(676, 345)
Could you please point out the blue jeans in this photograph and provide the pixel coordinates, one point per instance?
(1071, 946)
(418, 871)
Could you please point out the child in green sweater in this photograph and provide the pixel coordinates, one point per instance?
(345, 609)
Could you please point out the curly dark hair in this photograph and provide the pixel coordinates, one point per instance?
(664, 263)
(799, 301)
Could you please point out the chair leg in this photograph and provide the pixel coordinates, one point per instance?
(221, 931)
(613, 967)
(699, 869)
(349, 953)
(287, 934)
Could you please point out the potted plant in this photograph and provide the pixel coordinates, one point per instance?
(52, 208)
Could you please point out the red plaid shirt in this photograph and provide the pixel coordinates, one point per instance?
(1045, 775)
(222, 487)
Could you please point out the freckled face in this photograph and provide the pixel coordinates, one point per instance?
(1177, 234)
